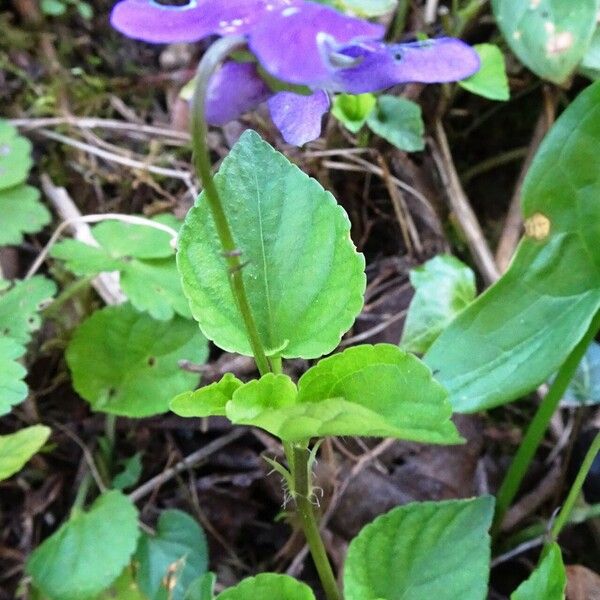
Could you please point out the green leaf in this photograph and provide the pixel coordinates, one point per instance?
(300, 261)
(54, 8)
(15, 156)
(145, 259)
(17, 448)
(88, 552)
(491, 80)
(126, 363)
(369, 8)
(519, 332)
(398, 121)
(444, 286)
(20, 305)
(131, 473)
(201, 588)
(177, 555)
(590, 63)
(584, 389)
(12, 387)
(123, 588)
(547, 582)
(549, 36)
(353, 110)
(422, 551)
(22, 212)
(268, 585)
(208, 401)
(365, 390)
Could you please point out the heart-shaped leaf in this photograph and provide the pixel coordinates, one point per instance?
(398, 121)
(125, 363)
(173, 558)
(22, 212)
(268, 585)
(15, 156)
(12, 387)
(491, 80)
(519, 332)
(549, 36)
(299, 259)
(86, 554)
(422, 551)
(17, 448)
(547, 582)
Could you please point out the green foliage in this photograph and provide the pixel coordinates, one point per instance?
(491, 80)
(176, 555)
(516, 334)
(590, 63)
(201, 588)
(547, 582)
(88, 552)
(131, 473)
(144, 258)
(549, 36)
(398, 121)
(422, 551)
(12, 387)
(362, 8)
(443, 287)
(17, 448)
(584, 389)
(126, 363)
(123, 588)
(268, 585)
(58, 8)
(365, 390)
(300, 261)
(20, 207)
(353, 110)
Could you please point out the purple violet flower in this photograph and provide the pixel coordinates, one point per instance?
(300, 43)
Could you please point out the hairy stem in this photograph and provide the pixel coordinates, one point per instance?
(539, 425)
(298, 462)
(209, 64)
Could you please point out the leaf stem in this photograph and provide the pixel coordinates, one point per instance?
(210, 62)
(298, 462)
(538, 426)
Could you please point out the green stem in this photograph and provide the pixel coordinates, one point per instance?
(298, 463)
(539, 425)
(399, 22)
(82, 492)
(210, 62)
(567, 509)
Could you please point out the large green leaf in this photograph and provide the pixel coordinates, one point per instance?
(87, 553)
(516, 334)
(549, 36)
(12, 387)
(145, 259)
(547, 582)
(304, 278)
(20, 305)
(17, 448)
(491, 80)
(15, 156)
(443, 287)
(176, 555)
(22, 212)
(423, 551)
(126, 363)
(398, 121)
(268, 586)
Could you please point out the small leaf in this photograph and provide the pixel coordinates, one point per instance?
(268, 586)
(208, 401)
(12, 387)
(547, 582)
(548, 36)
(422, 551)
(131, 473)
(54, 8)
(398, 121)
(88, 552)
(353, 110)
(15, 156)
(491, 80)
(19, 307)
(22, 212)
(299, 260)
(17, 448)
(175, 556)
(444, 286)
(126, 363)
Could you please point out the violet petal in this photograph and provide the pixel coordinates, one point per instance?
(381, 66)
(150, 21)
(292, 43)
(234, 89)
(299, 117)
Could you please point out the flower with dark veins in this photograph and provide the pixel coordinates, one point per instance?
(297, 42)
